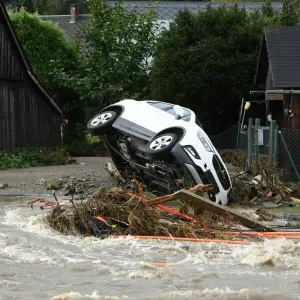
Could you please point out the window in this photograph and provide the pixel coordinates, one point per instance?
(167, 107)
(160, 105)
(186, 113)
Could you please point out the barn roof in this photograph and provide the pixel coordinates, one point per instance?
(165, 11)
(280, 51)
(3, 14)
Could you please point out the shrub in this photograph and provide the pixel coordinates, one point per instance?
(90, 146)
(34, 157)
(42, 42)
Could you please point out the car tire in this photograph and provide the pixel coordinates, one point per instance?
(161, 145)
(102, 123)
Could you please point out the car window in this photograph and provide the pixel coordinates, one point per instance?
(160, 105)
(167, 107)
(186, 114)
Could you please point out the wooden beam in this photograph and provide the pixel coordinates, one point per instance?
(274, 97)
(202, 203)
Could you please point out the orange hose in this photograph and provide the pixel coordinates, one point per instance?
(254, 233)
(180, 239)
(165, 208)
(158, 264)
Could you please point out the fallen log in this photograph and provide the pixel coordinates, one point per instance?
(205, 204)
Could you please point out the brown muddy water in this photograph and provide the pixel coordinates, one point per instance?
(39, 263)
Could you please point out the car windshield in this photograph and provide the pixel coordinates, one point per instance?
(169, 108)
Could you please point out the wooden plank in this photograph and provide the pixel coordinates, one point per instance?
(218, 209)
(274, 97)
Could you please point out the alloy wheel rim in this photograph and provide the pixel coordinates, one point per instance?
(161, 142)
(101, 119)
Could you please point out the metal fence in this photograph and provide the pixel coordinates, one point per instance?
(288, 156)
(262, 142)
(278, 146)
(226, 139)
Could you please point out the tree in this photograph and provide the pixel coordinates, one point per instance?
(18, 4)
(289, 13)
(207, 62)
(114, 53)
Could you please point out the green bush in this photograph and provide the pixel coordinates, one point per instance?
(90, 146)
(33, 158)
(42, 42)
(207, 61)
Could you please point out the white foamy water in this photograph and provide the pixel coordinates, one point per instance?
(38, 263)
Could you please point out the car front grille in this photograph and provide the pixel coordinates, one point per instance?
(221, 172)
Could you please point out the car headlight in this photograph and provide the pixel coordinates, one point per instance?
(204, 142)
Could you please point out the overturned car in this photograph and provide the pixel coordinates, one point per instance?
(163, 145)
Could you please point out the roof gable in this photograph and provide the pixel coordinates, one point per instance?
(280, 52)
(11, 33)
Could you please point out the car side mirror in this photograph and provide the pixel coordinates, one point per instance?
(179, 111)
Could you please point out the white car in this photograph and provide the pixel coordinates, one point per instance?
(163, 145)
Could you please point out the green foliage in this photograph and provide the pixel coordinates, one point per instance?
(42, 42)
(289, 13)
(113, 55)
(33, 158)
(207, 61)
(90, 146)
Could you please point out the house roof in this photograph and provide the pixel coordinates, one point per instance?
(280, 51)
(3, 13)
(71, 29)
(164, 10)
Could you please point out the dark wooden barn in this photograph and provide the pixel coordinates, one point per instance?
(29, 117)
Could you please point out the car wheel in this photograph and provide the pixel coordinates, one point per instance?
(161, 144)
(101, 123)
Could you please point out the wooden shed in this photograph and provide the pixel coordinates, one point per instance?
(29, 117)
(279, 70)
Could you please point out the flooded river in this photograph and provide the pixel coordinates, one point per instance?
(38, 263)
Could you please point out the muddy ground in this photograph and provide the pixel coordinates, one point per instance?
(28, 181)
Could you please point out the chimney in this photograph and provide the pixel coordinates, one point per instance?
(74, 12)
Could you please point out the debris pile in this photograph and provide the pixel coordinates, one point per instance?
(263, 189)
(129, 209)
(237, 158)
(120, 211)
(80, 188)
